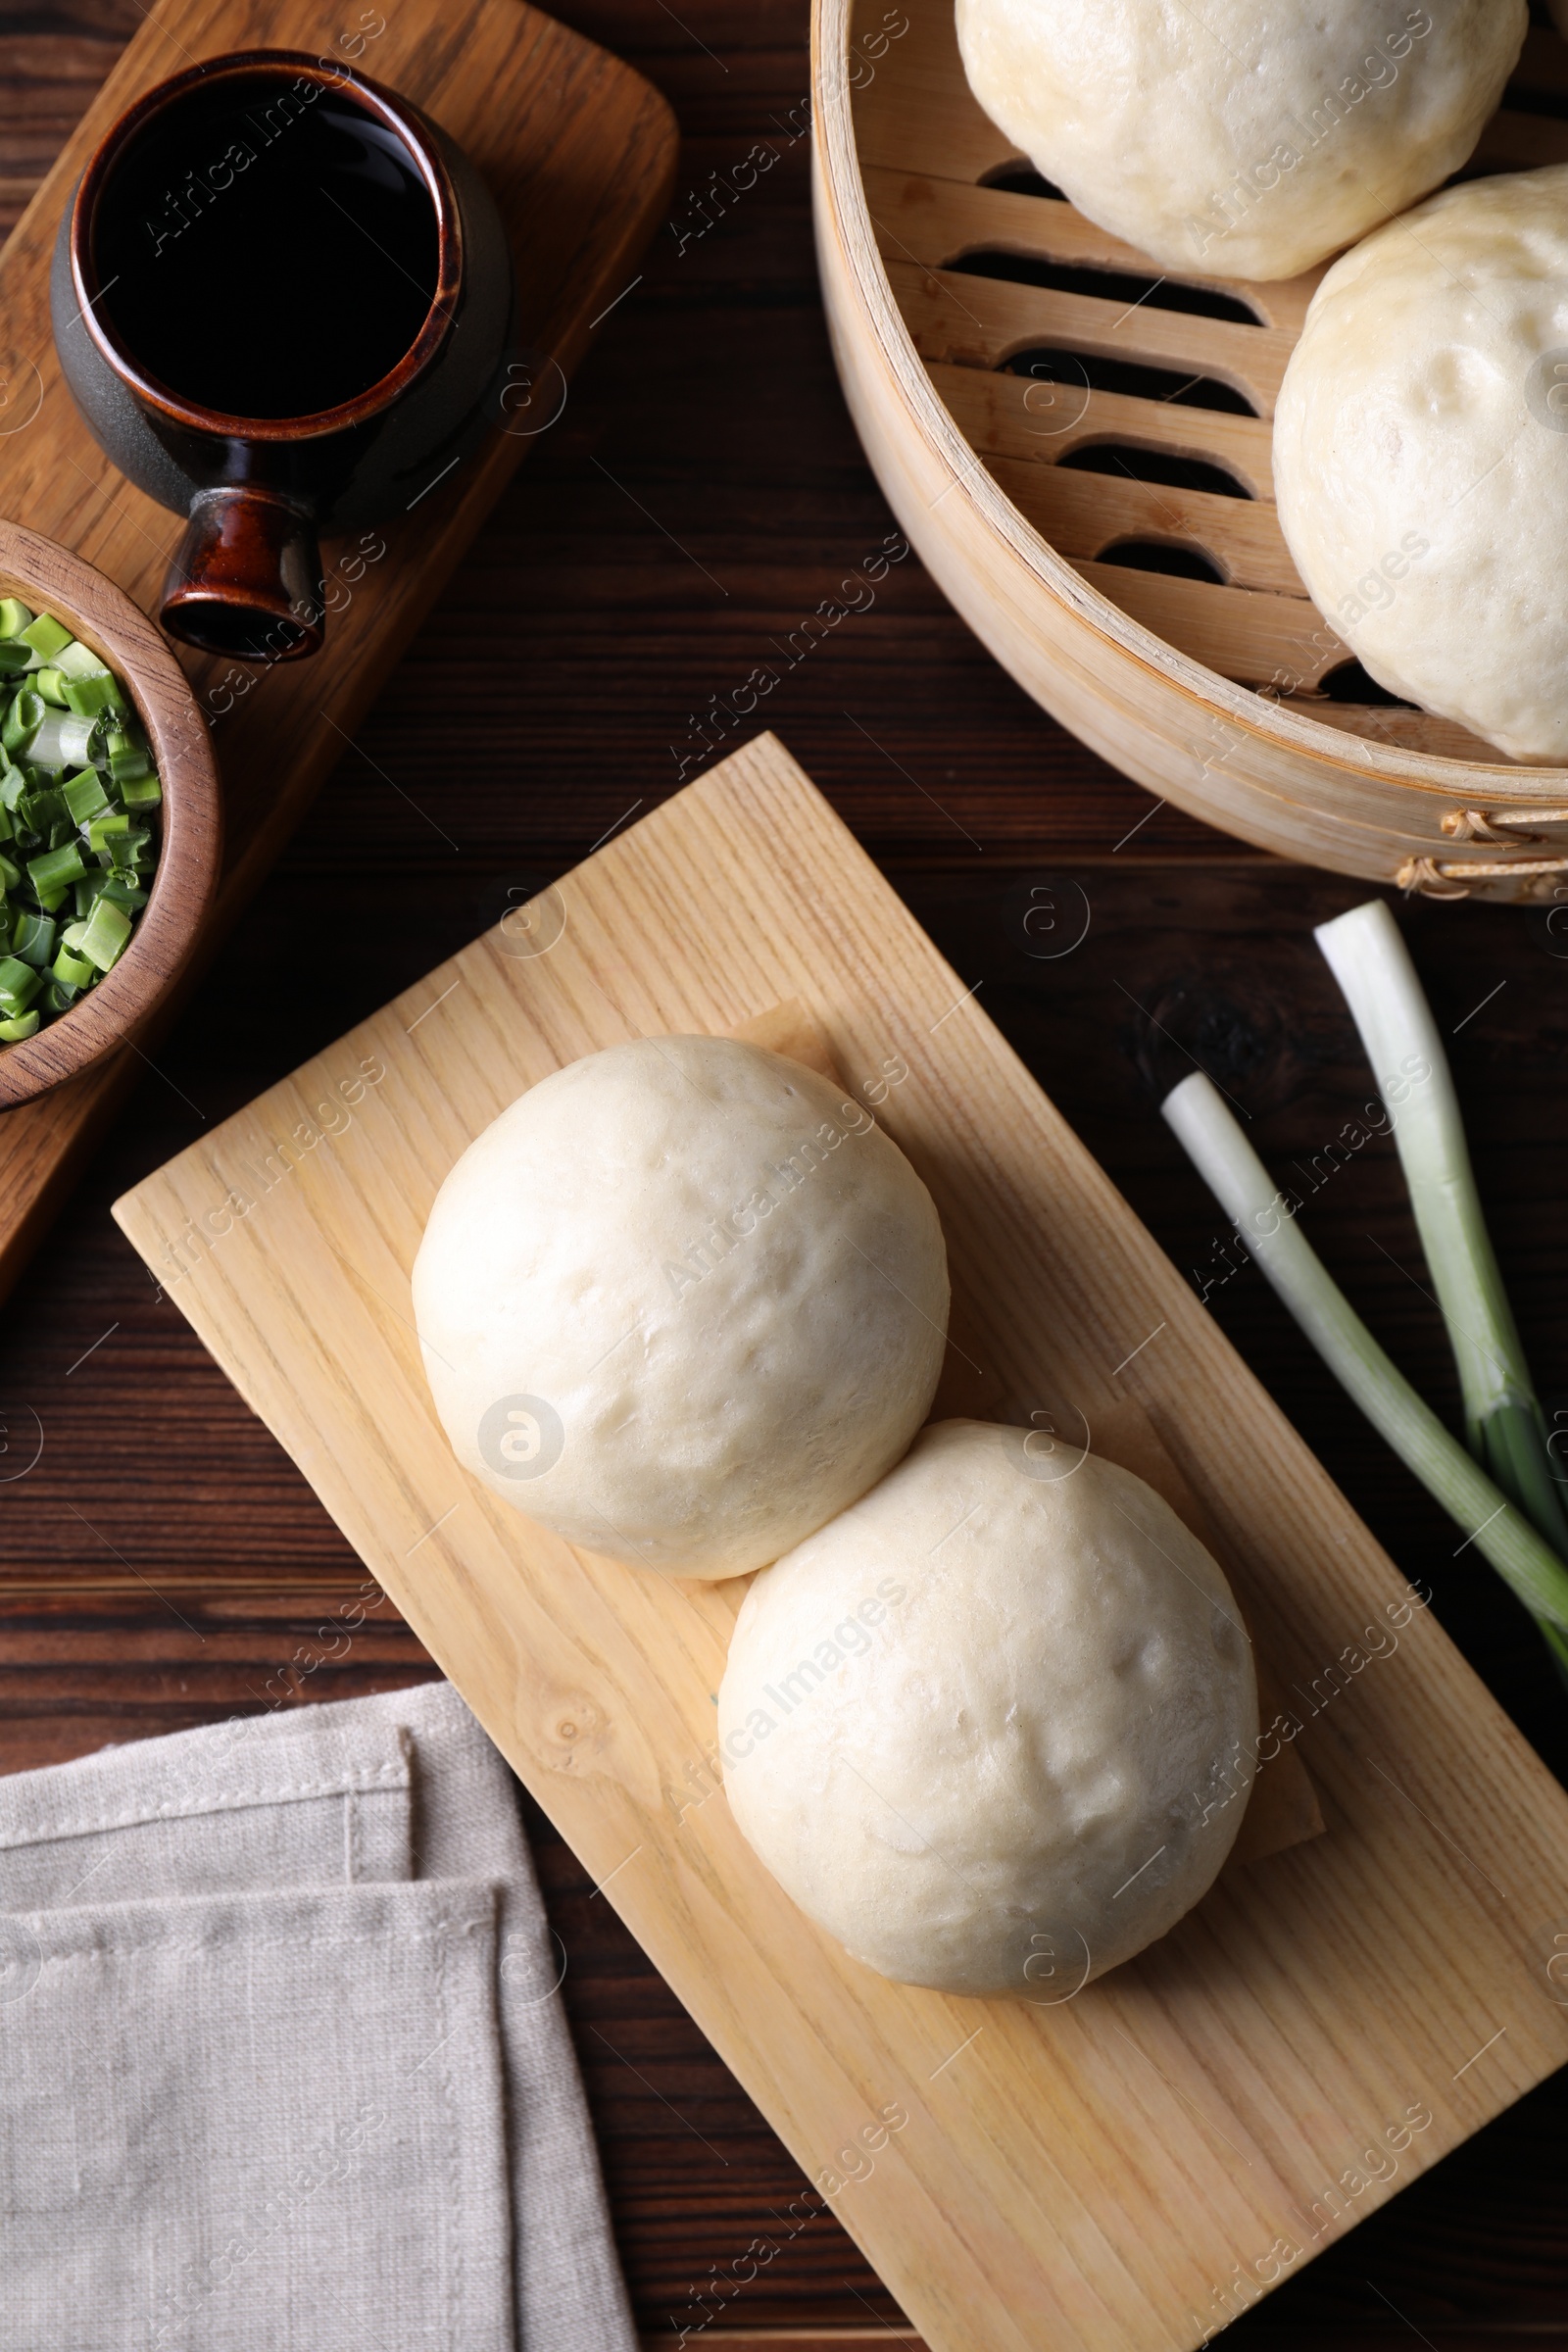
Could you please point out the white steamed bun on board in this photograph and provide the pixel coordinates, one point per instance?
(1421, 456)
(681, 1302)
(1239, 140)
(993, 1728)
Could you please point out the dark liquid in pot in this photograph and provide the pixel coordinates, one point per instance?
(267, 248)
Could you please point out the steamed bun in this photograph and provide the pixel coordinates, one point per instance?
(1421, 456)
(993, 1728)
(681, 1302)
(1233, 138)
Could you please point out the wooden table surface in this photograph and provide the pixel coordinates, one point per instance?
(163, 1564)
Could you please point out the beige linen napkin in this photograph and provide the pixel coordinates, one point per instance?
(117, 1954)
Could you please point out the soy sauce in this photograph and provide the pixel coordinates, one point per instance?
(266, 247)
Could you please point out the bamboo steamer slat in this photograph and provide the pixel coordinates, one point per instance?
(1206, 691)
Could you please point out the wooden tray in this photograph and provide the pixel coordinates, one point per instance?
(579, 152)
(1208, 691)
(1122, 2170)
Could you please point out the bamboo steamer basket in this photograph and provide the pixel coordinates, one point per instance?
(1027, 492)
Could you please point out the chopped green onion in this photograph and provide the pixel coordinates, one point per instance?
(78, 661)
(19, 985)
(40, 809)
(129, 762)
(90, 695)
(77, 783)
(103, 828)
(56, 868)
(125, 850)
(34, 939)
(71, 970)
(46, 636)
(1266, 1224)
(63, 740)
(85, 796)
(104, 939)
(22, 723)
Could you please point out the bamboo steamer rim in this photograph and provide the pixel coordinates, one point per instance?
(1457, 783)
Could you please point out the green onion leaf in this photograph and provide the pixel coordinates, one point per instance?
(1266, 1224)
(1503, 1421)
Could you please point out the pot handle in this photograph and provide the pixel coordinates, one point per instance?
(246, 578)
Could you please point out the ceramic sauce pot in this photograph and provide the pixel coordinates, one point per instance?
(283, 302)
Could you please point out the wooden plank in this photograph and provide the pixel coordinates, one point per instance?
(1317, 2033)
(578, 151)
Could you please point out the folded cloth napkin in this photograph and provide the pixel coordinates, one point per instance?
(283, 2066)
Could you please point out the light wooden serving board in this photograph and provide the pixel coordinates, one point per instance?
(578, 151)
(1121, 2170)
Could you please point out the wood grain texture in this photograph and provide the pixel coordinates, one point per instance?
(544, 696)
(578, 151)
(1266, 2074)
(46, 576)
(1199, 686)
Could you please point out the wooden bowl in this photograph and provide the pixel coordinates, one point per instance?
(1106, 524)
(49, 578)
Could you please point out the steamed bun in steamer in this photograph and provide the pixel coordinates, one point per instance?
(681, 1302)
(1237, 139)
(1421, 456)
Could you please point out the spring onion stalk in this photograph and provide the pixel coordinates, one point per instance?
(1264, 1218)
(1503, 1421)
